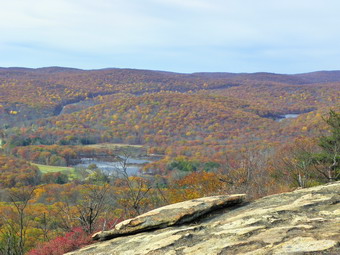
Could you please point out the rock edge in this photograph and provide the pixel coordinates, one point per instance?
(173, 214)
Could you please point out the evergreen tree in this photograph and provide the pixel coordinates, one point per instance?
(328, 159)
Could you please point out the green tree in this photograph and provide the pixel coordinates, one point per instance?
(327, 160)
(308, 162)
(184, 165)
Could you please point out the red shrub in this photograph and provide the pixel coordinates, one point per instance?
(71, 241)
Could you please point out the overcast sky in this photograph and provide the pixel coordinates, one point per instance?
(282, 36)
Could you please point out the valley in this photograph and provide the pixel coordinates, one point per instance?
(121, 142)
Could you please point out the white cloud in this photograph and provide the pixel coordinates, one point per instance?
(133, 31)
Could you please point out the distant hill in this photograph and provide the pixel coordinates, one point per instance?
(320, 77)
(27, 94)
(304, 78)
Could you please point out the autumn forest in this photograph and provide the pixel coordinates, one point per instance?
(82, 150)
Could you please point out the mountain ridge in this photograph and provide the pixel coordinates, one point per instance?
(309, 77)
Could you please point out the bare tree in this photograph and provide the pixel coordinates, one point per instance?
(92, 202)
(91, 206)
(16, 220)
(136, 189)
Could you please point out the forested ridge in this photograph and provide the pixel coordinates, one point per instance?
(209, 133)
(33, 93)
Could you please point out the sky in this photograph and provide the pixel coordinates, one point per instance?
(281, 36)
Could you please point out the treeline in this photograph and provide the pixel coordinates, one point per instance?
(17, 172)
(57, 155)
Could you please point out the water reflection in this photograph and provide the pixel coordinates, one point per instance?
(133, 165)
(286, 116)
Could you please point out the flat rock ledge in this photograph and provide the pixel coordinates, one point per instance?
(305, 221)
(174, 214)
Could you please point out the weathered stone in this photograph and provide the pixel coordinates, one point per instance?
(306, 221)
(169, 215)
(304, 244)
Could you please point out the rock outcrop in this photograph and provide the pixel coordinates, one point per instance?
(305, 221)
(170, 215)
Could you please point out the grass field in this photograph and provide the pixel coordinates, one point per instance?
(51, 169)
(70, 171)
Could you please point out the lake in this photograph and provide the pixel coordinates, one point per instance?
(286, 116)
(132, 168)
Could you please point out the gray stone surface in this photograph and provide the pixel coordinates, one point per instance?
(305, 221)
(170, 215)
